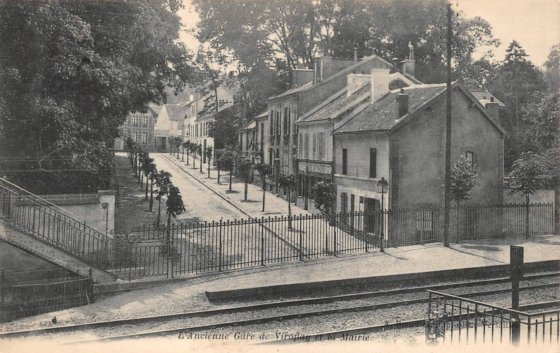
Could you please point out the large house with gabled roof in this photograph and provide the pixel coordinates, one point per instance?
(399, 135)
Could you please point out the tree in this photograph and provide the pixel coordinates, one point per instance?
(199, 151)
(174, 205)
(226, 161)
(517, 83)
(153, 176)
(552, 69)
(71, 72)
(186, 146)
(324, 195)
(529, 173)
(463, 179)
(288, 183)
(264, 170)
(209, 157)
(147, 167)
(244, 166)
(224, 129)
(163, 181)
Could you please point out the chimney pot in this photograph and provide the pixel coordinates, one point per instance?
(402, 104)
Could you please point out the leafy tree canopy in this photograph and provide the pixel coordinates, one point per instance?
(463, 179)
(71, 71)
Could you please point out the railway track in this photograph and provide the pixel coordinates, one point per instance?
(550, 279)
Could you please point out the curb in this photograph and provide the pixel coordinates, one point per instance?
(310, 288)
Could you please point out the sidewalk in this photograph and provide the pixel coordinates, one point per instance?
(274, 205)
(189, 295)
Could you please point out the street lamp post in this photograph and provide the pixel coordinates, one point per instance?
(382, 186)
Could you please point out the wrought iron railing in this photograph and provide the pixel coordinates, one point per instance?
(45, 221)
(457, 319)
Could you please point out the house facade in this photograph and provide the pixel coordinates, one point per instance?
(315, 137)
(200, 115)
(310, 88)
(400, 136)
(169, 124)
(139, 126)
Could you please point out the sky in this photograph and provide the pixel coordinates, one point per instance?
(535, 24)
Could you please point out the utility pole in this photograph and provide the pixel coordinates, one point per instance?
(447, 196)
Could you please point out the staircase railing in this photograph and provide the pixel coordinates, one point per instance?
(40, 218)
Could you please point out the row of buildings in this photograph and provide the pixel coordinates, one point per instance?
(355, 122)
(352, 122)
(189, 118)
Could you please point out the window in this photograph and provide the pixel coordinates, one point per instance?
(271, 122)
(300, 146)
(306, 146)
(285, 121)
(321, 146)
(469, 156)
(314, 154)
(373, 163)
(343, 203)
(344, 161)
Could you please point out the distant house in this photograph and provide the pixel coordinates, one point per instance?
(399, 135)
(251, 138)
(201, 111)
(140, 128)
(169, 124)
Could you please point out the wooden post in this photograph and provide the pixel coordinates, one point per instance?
(516, 273)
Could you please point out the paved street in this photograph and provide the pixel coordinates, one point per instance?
(201, 203)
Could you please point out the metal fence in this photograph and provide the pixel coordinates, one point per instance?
(190, 248)
(38, 217)
(27, 293)
(458, 319)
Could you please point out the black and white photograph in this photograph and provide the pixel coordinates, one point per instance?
(279, 176)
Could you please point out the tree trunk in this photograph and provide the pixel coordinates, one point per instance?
(218, 172)
(246, 185)
(208, 167)
(527, 216)
(289, 210)
(193, 162)
(201, 164)
(151, 194)
(158, 211)
(182, 154)
(230, 176)
(146, 197)
(188, 158)
(264, 191)
(141, 181)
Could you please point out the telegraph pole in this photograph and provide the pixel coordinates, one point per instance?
(447, 196)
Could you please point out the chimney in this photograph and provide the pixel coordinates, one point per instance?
(409, 64)
(355, 55)
(493, 109)
(402, 104)
(301, 76)
(395, 65)
(379, 83)
(315, 71)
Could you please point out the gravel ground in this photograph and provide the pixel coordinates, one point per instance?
(307, 325)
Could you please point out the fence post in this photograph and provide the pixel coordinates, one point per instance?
(220, 247)
(262, 241)
(516, 270)
(300, 245)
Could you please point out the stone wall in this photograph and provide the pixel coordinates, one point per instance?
(97, 210)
